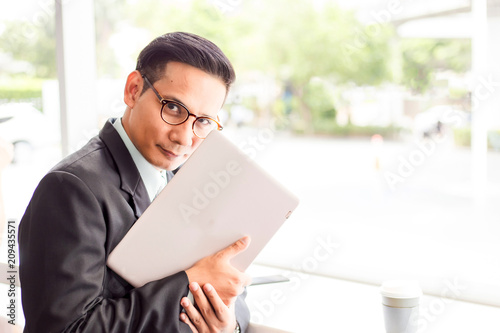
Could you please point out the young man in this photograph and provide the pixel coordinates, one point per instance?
(86, 204)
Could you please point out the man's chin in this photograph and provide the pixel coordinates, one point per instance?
(171, 166)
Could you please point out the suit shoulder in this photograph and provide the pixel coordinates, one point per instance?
(91, 158)
(92, 168)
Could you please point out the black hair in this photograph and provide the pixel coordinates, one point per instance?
(186, 48)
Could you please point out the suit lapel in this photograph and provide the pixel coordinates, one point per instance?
(170, 174)
(131, 181)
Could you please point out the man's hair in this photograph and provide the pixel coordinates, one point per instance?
(186, 48)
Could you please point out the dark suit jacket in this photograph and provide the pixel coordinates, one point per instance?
(79, 212)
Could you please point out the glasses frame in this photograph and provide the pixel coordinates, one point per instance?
(165, 101)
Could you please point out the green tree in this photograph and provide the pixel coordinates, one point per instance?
(231, 32)
(33, 42)
(308, 47)
(302, 42)
(109, 14)
(422, 58)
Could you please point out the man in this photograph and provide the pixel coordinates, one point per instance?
(86, 204)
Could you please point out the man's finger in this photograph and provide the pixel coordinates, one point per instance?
(217, 304)
(232, 250)
(185, 319)
(195, 318)
(201, 301)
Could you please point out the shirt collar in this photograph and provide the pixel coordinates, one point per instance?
(153, 178)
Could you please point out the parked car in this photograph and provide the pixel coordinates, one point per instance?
(26, 128)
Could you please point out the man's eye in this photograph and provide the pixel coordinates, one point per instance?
(205, 122)
(173, 107)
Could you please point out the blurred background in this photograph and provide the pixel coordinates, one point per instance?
(382, 116)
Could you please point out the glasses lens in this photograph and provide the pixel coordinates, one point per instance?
(173, 113)
(203, 126)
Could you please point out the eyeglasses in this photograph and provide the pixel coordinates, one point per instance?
(175, 113)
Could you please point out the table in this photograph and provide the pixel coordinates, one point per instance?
(311, 303)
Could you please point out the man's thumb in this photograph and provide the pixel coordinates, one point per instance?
(239, 246)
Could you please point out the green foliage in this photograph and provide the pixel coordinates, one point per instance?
(13, 94)
(458, 93)
(22, 90)
(21, 84)
(462, 137)
(319, 99)
(292, 40)
(303, 41)
(198, 16)
(300, 42)
(33, 43)
(108, 15)
(422, 58)
(308, 46)
(368, 54)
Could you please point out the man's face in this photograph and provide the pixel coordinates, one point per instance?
(163, 145)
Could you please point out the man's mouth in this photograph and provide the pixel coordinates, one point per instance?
(170, 153)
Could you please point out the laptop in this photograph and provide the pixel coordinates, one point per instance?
(218, 196)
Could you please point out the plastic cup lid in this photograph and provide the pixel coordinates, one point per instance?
(401, 289)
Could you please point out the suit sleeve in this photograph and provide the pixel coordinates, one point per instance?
(242, 312)
(62, 240)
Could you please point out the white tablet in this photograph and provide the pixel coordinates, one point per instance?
(218, 196)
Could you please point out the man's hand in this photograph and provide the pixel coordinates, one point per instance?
(210, 314)
(218, 271)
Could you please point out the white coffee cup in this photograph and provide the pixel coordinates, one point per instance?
(400, 299)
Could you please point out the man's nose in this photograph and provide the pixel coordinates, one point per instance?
(183, 134)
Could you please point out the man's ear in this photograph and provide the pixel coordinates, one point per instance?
(133, 88)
